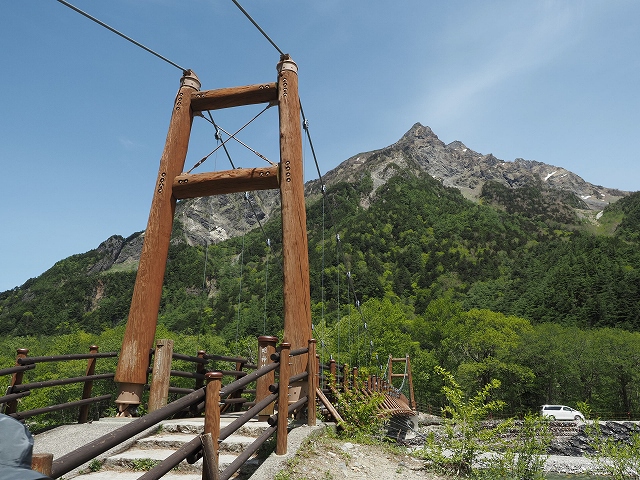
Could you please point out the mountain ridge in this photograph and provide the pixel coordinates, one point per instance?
(458, 166)
(212, 219)
(209, 220)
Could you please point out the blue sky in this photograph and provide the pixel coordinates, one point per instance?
(85, 113)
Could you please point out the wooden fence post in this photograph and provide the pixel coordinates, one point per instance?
(42, 462)
(332, 373)
(312, 371)
(161, 375)
(345, 377)
(16, 379)
(266, 347)
(210, 470)
(83, 415)
(212, 420)
(283, 399)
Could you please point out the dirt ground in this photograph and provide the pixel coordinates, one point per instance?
(328, 458)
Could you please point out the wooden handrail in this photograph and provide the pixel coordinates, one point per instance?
(62, 406)
(71, 356)
(18, 389)
(16, 369)
(60, 381)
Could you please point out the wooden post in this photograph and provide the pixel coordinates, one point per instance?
(83, 415)
(42, 462)
(266, 347)
(210, 470)
(345, 377)
(236, 407)
(212, 417)
(312, 371)
(333, 373)
(283, 399)
(295, 255)
(390, 370)
(132, 368)
(16, 379)
(161, 375)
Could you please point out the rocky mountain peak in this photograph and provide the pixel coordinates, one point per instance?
(456, 165)
(212, 219)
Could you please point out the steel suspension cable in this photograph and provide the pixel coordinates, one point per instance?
(250, 204)
(202, 160)
(240, 288)
(258, 27)
(138, 44)
(351, 285)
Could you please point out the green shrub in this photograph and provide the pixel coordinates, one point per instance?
(361, 413)
(524, 456)
(466, 436)
(617, 458)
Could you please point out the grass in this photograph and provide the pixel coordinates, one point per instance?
(143, 464)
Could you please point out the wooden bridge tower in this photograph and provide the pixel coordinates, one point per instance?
(172, 185)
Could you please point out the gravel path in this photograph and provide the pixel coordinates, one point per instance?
(324, 457)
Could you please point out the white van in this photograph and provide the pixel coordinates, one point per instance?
(561, 412)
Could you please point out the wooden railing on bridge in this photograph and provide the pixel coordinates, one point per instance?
(254, 388)
(209, 397)
(394, 401)
(17, 389)
(210, 400)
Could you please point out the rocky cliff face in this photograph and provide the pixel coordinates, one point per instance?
(212, 219)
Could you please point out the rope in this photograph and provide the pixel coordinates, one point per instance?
(255, 215)
(218, 138)
(184, 70)
(204, 285)
(338, 285)
(258, 27)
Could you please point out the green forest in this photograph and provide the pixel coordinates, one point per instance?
(517, 287)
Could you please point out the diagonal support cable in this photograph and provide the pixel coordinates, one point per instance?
(138, 44)
(203, 159)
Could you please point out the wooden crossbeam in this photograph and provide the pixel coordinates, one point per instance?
(195, 185)
(234, 97)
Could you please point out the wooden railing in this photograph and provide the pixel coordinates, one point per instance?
(211, 399)
(162, 373)
(345, 378)
(254, 387)
(18, 389)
